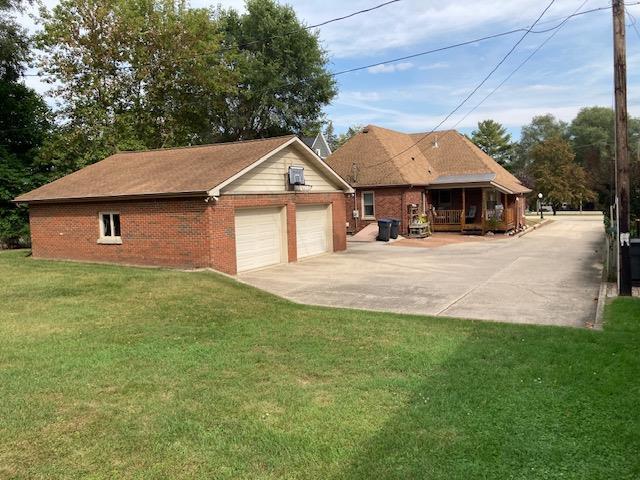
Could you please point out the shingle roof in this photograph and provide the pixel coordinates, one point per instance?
(379, 156)
(308, 141)
(174, 171)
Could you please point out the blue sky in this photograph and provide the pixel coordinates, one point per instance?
(573, 70)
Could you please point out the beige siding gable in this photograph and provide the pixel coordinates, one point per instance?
(271, 175)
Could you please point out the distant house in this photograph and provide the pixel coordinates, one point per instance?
(318, 144)
(230, 206)
(444, 174)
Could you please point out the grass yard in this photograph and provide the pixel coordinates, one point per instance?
(113, 372)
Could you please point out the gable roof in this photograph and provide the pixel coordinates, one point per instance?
(378, 156)
(166, 172)
(317, 143)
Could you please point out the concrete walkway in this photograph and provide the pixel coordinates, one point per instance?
(550, 276)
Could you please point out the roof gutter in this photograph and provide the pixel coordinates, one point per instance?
(111, 198)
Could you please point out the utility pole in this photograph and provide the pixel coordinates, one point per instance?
(622, 147)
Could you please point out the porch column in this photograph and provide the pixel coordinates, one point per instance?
(484, 209)
(505, 205)
(463, 219)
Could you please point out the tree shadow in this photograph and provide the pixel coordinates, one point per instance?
(512, 402)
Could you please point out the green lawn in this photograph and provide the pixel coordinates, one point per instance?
(112, 372)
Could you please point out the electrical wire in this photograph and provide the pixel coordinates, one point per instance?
(475, 89)
(522, 64)
(528, 30)
(227, 48)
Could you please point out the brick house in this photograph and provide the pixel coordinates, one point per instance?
(230, 206)
(444, 174)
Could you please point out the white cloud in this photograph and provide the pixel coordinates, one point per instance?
(434, 66)
(390, 68)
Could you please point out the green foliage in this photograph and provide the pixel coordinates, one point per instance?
(330, 135)
(22, 130)
(592, 138)
(283, 82)
(344, 137)
(492, 138)
(156, 73)
(24, 123)
(142, 74)
(556, 175)
(541, 128)
(14, 49)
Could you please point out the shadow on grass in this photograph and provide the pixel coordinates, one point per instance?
(531, 404)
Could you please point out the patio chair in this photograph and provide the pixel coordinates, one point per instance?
(470, 217)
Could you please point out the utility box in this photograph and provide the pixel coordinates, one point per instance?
(635, 259)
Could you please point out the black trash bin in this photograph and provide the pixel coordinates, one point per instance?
(635, 259)
(384, 230)
(395, 227)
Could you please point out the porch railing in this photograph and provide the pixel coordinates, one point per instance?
(511, 216)
(448, 217)
(506, 217)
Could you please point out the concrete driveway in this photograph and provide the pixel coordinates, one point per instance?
(550, 276)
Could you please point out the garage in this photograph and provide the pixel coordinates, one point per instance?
(313, 230)
(260, 238)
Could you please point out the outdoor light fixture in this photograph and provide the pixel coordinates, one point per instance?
(540, 200)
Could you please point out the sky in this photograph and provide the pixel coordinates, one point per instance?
(572, 70)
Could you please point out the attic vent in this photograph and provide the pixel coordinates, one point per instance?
(365, 130)
(296, 175)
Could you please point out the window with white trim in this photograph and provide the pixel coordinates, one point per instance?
(368, 205)
(109, 227)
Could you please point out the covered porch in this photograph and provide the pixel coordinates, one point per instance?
(475, 210)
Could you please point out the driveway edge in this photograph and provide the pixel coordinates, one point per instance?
(534, 227)
(602, 299)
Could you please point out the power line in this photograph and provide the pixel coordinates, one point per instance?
(634, 22)
(366, 10)
(513, 72)
(254, 42)
(475, 89)
(527, 30)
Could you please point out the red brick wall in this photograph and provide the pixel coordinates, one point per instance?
(169, 232)
(166, 232)
(389, 203)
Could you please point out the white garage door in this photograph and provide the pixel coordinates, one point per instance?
(312, 229)
(259, 238)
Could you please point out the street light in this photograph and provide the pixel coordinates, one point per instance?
(540, 201)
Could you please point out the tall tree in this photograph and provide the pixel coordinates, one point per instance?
(133, 74)
(24, 122)
(492, 138)
(284, 82)
(330, 135)
(592, 139)
(541, 128)
(556, 174)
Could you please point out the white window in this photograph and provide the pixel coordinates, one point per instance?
(109, 223)
(368, 205)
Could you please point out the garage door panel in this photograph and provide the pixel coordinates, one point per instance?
(259, 238)
(312, 230)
